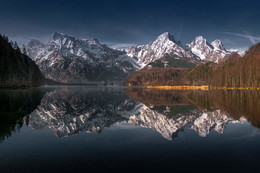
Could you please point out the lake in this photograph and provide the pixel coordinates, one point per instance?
(117, 129)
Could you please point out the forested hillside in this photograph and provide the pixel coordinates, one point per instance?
(172, 61)
(157, 76)
(17, 69)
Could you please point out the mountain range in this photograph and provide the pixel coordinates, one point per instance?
(68, 59)
(165, 44)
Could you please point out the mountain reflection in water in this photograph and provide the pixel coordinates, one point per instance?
(72, 110)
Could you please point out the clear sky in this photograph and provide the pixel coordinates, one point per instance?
(123, 23)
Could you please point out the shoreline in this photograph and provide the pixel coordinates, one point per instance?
(180, 87)
(202, 87)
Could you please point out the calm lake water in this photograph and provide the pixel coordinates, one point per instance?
(102, 129)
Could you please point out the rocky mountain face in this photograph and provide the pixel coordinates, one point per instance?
(17, 69)
(213, 51)
(67, 59)
(69, 112)
(165, 44)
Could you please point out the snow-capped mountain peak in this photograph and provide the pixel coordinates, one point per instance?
(94, 41)
(57, 35)
(165, 44)
(63, 40)
(34, 47)
(165, 37)
(217, 44)
(201, 42)
(165, 40)
(34, 42)
(60, 38)
(213, 51)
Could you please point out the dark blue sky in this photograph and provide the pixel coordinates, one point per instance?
(236, 23)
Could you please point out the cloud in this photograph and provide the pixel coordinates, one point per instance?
(252, 39)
